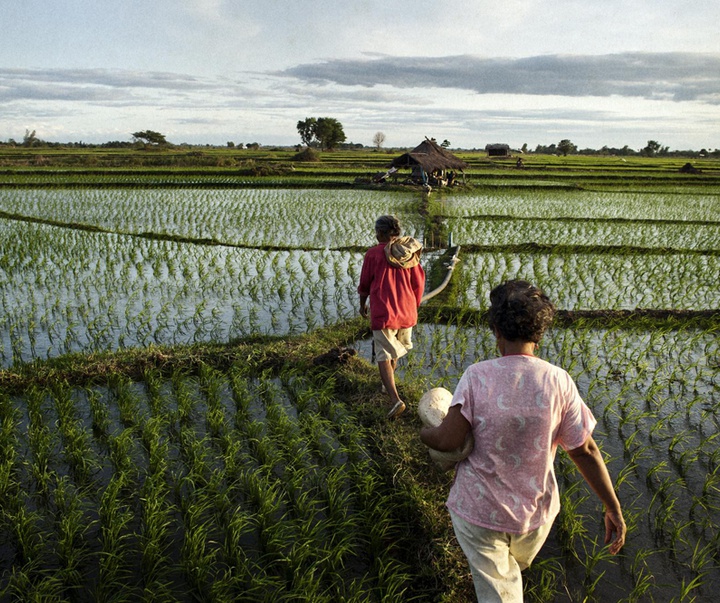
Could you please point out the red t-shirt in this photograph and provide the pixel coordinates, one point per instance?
(394, 293)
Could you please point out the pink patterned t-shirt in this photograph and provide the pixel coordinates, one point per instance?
(520, 409)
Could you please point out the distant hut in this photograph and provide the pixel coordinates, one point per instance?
(498, 150)
(430, 164)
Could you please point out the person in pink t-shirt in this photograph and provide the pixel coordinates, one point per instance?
(519, 408)
(393, 280)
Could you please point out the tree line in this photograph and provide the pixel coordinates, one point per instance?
(652, 149)
(327, 134)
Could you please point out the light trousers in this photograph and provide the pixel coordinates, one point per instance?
(392, 343)
(497, 558)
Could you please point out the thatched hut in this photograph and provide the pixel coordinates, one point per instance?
(498, 150)
(430, 164)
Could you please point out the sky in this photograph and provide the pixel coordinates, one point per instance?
(473, 72)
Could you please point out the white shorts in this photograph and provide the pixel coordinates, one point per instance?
(497, 558)
(392, 343)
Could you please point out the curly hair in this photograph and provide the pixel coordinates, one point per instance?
(520, 311)
(389, 225)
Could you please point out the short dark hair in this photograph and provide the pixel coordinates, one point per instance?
(520, 311)
(389, 225)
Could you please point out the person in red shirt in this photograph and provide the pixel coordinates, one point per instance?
(393, 280)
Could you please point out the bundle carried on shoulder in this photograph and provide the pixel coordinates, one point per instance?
(432, 408)
(403, 252)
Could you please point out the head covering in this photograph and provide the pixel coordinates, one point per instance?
(403, 252)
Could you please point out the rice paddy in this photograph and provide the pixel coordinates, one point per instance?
(247, 473)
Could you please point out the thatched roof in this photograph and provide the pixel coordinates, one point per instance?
(498, 149)
(430, 156)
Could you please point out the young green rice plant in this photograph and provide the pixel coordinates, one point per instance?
(30, 584)
(40, 440)
(213, 386)
(124, 458)
(627, 474)
(155, 386)
(643, 580)
(687, 587)
(199, 550)
(156, 443)
(239, 529)
(77, 441)
(321, 439)
(99, 415)
(595, 555)
(665, 510)
(392, 578)
(9, 453)
(675, 448)
(72, 527)
(543, 580)
(117, 548)
(195, 454)
(28, 533)
(266, 500)
(570, 527)
(155, 534)
(186, 398)
(343, 524)
(128, 401)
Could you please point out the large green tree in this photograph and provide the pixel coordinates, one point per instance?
(306, 129)
(150, 137)
(653, 148)
(327, 132)
(565, 146)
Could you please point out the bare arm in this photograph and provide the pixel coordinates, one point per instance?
(450, 434)
(591, 465)
(363, 306)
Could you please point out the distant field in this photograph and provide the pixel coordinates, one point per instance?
(212, 166)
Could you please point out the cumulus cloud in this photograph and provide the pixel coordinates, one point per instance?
(667, 76)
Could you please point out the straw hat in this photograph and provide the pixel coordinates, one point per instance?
(432, 408)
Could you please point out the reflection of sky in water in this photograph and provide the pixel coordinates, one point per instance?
(588, 281)
(669, 235)
(311, 218)
(680, 205)
(93, 292)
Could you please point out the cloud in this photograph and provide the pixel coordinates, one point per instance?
(662, 76)
(90, 84)
(594, 100)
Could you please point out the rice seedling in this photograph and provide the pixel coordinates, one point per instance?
(41, 442)
(72, 527)
(9, 453)
(118, 551)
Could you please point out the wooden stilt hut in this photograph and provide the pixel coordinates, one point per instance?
(430, 164)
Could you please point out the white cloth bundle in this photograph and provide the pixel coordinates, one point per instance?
(432, 408)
